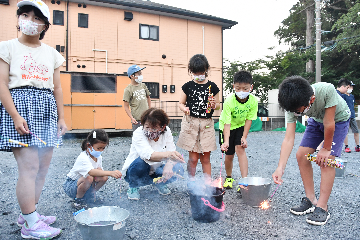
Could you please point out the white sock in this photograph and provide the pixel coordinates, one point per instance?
(31, 218)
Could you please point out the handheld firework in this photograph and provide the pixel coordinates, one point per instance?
(14, 141)
(330, 162)
(265, 204)
(161, 179)
(208, 110)
(37, 137)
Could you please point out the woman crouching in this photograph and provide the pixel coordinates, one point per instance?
(153, 157)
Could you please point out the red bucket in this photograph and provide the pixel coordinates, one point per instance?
(206, 208)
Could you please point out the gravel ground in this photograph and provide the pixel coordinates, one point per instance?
(169, 217)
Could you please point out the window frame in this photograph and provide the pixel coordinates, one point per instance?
(79, 82)
(62, 20)
(149, 26)
(87, 20)
(5, 2)
(152, 94)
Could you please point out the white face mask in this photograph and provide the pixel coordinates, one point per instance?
(242, 95)
(29, 28)
(199, 78)
(139, 79)
(349, 91)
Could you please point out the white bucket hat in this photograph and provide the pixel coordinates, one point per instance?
(38, 4)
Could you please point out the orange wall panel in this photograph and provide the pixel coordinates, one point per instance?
(104, 117)
(104, 98)
(82, 98)
(67, 116)
(66, 87)
(82, 118)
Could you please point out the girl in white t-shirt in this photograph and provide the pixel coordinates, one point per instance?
(87, 175)
(31, 104)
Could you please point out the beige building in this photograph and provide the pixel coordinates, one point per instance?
(103, 38)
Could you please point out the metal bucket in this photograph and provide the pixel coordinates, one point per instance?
(205, 207)
(340, 173)
(107, 222)
(255, 190)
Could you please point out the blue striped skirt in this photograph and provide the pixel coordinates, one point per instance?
(38, 108)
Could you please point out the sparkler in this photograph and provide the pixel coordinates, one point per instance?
(330, 162)
(161, 179)
(37, 138)
(120, 188)
(208, 110)
(265, 204)
(58, 142)
(14, 141)
(274, 192)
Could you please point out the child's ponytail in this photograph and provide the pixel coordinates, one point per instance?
(95, 136)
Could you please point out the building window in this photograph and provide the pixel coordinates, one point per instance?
(149, 32)
(93, 83)
(5, 2)
(153, 89)
(83, 20)
(58, 18)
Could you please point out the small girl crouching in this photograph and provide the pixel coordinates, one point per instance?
(87, 175)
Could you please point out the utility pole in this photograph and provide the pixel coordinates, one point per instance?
(318, 40)
(310, 20)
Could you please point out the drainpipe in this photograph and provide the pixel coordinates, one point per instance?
(106, 59)
(203, 29)
(67, 35)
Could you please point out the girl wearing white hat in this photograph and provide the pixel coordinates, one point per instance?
(31, 111)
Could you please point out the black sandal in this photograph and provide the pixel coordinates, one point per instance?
(318, 217)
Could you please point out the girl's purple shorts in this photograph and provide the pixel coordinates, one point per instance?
(314, 135)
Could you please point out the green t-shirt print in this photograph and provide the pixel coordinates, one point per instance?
(236, 113)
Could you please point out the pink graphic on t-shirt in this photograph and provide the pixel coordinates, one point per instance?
(32, 67)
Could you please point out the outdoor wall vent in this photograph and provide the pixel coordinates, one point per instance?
(164, 88)
(128, 16)
(172, 88)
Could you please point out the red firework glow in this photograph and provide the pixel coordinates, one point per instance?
(264, 205)
(217, 183)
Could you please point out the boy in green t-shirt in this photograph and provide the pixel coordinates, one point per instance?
(239, 109)
(136, 96)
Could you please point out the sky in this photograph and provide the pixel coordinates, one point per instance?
(257, 20)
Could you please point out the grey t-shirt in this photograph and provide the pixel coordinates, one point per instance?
(136, 96)
(325, 97)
